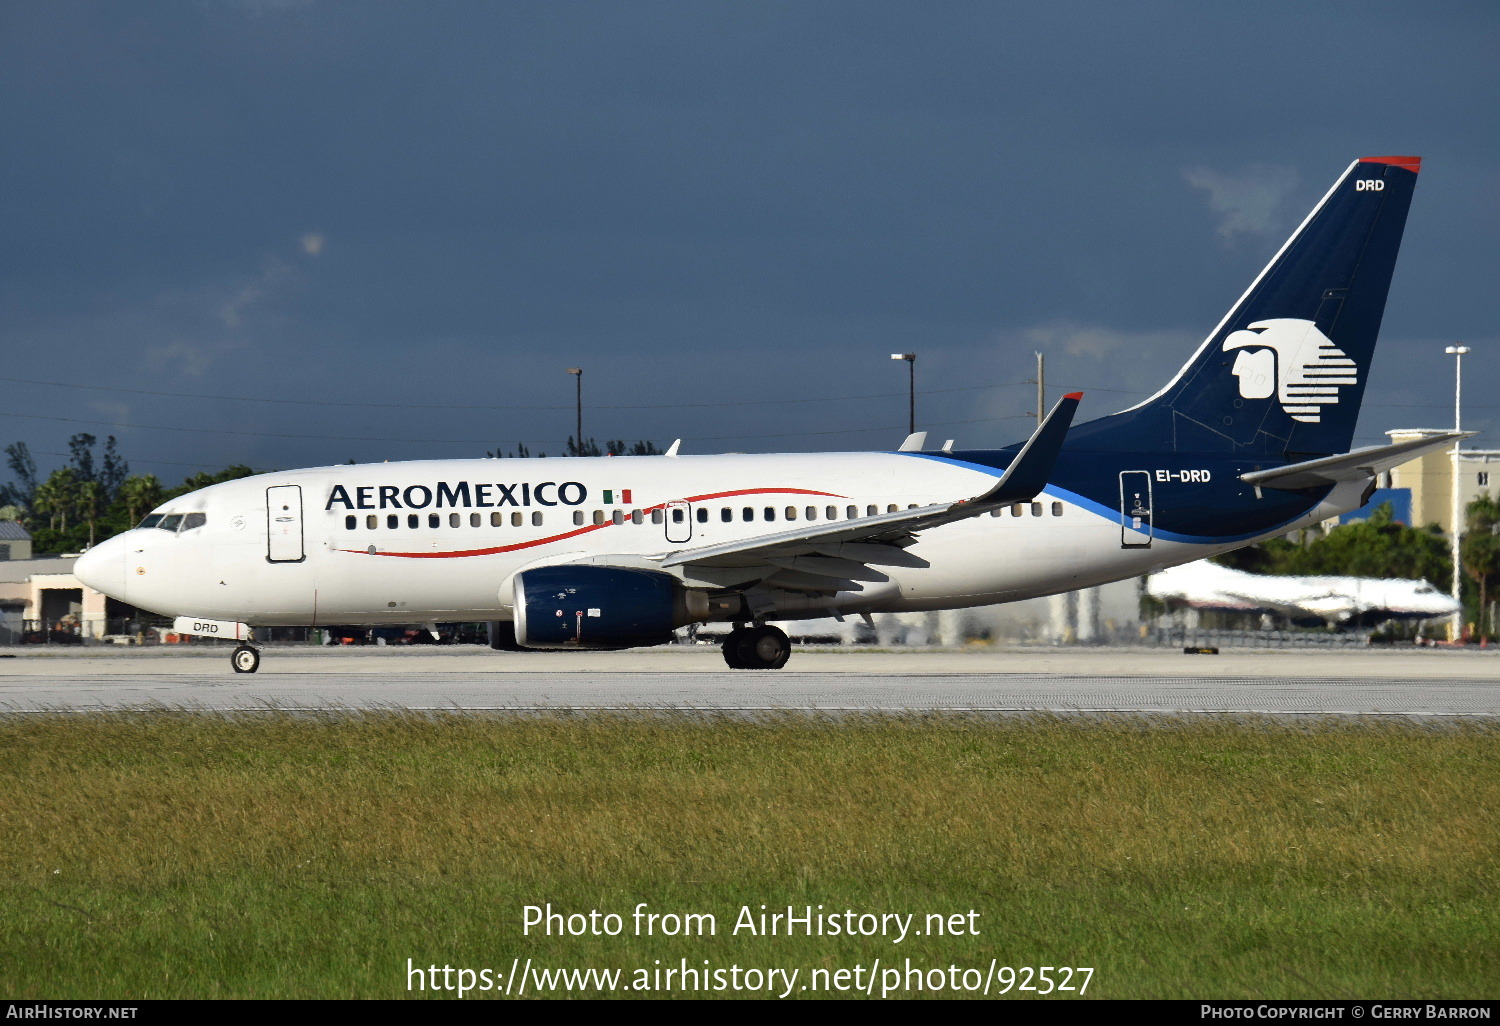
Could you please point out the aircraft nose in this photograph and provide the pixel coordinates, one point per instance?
(103, 568)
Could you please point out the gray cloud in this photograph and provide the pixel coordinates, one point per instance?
(1107, 345)
(1250, 202)
(181, 358)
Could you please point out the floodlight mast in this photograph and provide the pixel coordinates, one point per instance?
(577, 373)
(1455, 533)
(911, 389)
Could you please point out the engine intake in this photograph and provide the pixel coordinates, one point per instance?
(580, 606)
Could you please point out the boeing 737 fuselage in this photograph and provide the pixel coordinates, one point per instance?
(1248, 441)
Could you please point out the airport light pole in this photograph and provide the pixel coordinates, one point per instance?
(911, 389)
(577, 373)
(1455, 533)
(1041, 389)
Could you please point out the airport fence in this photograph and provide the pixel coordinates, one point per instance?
(1173, 637)
(70, 631)
(74, 631)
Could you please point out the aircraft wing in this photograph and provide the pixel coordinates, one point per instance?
(1349, 466)
(1225, 600)
(832, 556)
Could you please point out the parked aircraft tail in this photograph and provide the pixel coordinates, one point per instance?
(1284, 372)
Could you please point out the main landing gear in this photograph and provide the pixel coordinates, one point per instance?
(761, 647)
(245, 659)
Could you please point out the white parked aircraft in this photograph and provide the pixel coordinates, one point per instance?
(1247, 441)
(1338, 601)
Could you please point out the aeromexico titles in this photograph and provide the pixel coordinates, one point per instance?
(1249, 440)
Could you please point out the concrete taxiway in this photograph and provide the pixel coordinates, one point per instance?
(1274, 682)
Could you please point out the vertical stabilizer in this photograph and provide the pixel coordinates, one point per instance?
(1284, 372)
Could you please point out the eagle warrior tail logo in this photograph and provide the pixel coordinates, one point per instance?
(1293, 359)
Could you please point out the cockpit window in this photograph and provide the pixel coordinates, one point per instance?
(174, 521)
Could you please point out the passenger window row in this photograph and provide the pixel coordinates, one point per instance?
(750, 513)
(1018, 509)
(600, 517)
(747, 514)
(393, 521)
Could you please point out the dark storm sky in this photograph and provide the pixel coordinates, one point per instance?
(728, 214)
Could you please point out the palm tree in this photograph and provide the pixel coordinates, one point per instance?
(57, 498)
(140, 495)
(90, 505)
(1481, 552)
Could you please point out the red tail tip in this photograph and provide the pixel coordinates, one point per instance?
(1073, 395)
(1412, 164)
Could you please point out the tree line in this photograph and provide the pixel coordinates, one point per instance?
(91, 497)
(586, 447)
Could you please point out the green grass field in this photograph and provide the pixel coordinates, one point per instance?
(187, 855)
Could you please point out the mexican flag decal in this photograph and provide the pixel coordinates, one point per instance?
(623, 493)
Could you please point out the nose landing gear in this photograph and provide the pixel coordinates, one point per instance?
(245, 659)
(757, 648)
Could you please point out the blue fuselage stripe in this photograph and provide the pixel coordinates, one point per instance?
(1113, 515)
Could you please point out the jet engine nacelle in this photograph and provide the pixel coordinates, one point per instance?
(580, 606)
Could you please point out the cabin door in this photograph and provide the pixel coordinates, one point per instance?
(284, 524)
(1135, 509)
(679, 522)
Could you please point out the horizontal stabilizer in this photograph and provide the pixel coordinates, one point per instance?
(1349, 466)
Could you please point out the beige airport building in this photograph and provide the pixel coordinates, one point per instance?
(1430, 479)
(41, 593)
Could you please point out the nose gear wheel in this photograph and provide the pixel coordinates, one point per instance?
(245, 659)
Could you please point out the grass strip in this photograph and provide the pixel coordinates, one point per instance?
(274, 855)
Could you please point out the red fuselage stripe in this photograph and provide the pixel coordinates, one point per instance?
(495, 550)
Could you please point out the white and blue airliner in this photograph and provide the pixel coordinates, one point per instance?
(1250, 439)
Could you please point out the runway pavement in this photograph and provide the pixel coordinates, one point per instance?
(1276, 682)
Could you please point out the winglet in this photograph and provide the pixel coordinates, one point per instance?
(1027, 474)
(672, 449)
(914, 442)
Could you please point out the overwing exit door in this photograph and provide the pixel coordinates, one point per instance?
(1135, 509)
(284, 524)
(679, 522)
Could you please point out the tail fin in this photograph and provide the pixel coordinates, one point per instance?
(1284, 372)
